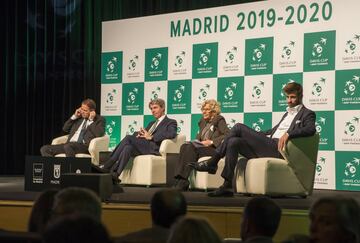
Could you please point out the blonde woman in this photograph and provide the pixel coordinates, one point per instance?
(212, 130)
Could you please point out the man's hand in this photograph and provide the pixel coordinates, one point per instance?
(282, 141)
(92, 115)
(77, 112)
(144, 134)
(207, 142)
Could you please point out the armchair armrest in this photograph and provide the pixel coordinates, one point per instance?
(96, 145)
(172, 145)
(59, 140)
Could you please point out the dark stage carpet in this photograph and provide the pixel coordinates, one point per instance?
(12, 188)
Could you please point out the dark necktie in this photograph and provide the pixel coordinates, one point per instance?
(153, 127)
(82, 132)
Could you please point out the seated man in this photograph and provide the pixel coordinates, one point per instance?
(146, 141)
(298, 121)
(82, 127)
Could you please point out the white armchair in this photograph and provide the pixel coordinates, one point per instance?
(203, 180)
(151, 169)
(293, 175)
(96, 145)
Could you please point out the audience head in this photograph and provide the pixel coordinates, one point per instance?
(193, 230)
(76, 228)
(166, 206)
(77, 200)
(335, 219)
(261, 218)
(41, 211)
(210, 108)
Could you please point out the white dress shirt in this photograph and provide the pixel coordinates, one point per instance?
(285, 124)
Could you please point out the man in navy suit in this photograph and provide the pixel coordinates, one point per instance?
(145, 141)
(298, 121)
(82, 127)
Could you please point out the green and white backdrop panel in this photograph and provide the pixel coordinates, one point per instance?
(242, 55)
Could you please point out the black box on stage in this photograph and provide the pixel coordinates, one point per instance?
(100, 183)
(45, 172)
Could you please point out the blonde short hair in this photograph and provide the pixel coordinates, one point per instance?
(214, 106)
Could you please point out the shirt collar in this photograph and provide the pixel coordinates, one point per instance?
(294, 109)
(161, 118)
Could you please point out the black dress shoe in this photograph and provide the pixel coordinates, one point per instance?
(98, 169)
(204, 166)
(221, 192)
(182, 185)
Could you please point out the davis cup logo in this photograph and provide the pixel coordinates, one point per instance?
(131, 128)
(319, 165)
(179, 94)
(351, 85)
(204, 92)
(133, 63)
(287, 50)
(179, 59)
(204, 58)
(231, 123)
(180, 126)
(230, 55)
(230, 91)
(110, 128)
(132, 96)
(111, 65)
(351, 45)
(351, 168)
(257, 90)
(258, 53)
(318, 87)
(351, 126)
(111, 97)
(318, 47)
(258, 125)
(155, 61)
(319, 123)
(155, 93)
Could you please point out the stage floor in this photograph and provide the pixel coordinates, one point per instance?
(12, 188)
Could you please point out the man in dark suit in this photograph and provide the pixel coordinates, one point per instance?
(298, 121)
(167, 206)
(82, 127)
(146, 141)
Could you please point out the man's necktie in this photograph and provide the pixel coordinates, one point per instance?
(153, 127)
(82, 132)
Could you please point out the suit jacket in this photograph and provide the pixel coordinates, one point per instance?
(95, 129)
(167, 129)
(155, 234)
(218, 129)
(303, 124)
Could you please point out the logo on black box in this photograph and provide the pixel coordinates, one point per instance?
(38, 171)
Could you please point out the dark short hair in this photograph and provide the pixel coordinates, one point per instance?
(159, 102)
(89, 103)
(77, 200)
(264, 214)
(166, 206)
(293, 87)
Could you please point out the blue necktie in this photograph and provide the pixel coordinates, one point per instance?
(82, 132)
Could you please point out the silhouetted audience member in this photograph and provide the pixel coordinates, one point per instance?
(77, 200)
(193, 230)
(335, 219)
(260, 220)
(41, 211)
(76, 228)
(166, 207)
